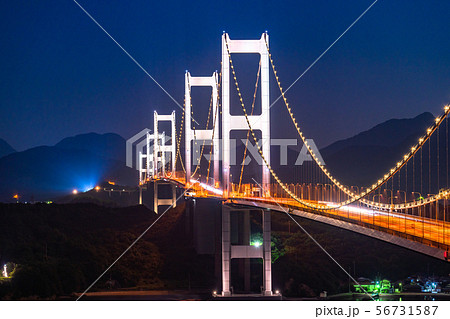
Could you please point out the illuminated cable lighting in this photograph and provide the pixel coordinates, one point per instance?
(350, 193)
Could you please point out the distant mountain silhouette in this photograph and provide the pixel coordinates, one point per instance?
(387, 134)
(109, 145)
(79, 162)
(84, 160)
(363, 158)
(5, 148)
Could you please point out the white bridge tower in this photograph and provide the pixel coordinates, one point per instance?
(210, 136)
(238, 122)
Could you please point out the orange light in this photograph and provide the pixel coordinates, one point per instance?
(74, 192)
(97, 188)
(111, 183)
(16, 196)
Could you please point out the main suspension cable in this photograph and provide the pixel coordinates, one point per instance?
(381, 181)
(214, 126)
(195, 136)
(248, 131)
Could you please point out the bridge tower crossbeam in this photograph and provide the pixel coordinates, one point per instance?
(163, 201)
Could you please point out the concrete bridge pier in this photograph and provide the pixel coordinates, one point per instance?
(246, 241)
(189, 212)
(246, 250)
(163, 201)
(267, 249)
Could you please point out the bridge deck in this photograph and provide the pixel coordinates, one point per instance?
(424, 235)
(418, 233)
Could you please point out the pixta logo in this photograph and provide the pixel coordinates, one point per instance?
(253, 153)
(140, 142)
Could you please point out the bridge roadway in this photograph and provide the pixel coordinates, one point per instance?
(418, 233)
(424, 235)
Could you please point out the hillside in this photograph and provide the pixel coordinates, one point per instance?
(5, 148)
(109, 145)
(44, 172)
(358, 160)
(80, 162)
(60, 249)
(387, 134)
(371, 153)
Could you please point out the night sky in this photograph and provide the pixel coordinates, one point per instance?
(61, 75)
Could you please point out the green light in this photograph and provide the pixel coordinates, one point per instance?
(256, 244)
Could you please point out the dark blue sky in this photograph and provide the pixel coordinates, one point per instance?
(61, 75)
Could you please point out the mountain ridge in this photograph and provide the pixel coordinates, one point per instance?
(43, 172)
(108, 145)
(5, 148)
(388, 133)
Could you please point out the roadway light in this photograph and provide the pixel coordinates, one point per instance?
(75, 192)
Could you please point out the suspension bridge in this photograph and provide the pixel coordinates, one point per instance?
(407, 206)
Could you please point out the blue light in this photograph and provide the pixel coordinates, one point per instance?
(87, 188)
(84, 184)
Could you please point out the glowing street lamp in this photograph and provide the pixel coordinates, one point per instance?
(75, 192)
(420, 196)
(379, 198)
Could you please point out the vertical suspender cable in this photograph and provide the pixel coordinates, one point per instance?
(438, 188)
(429, 175)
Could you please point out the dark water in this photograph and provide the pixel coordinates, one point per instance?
(207, 296)
(393, 297)
(149, 297)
